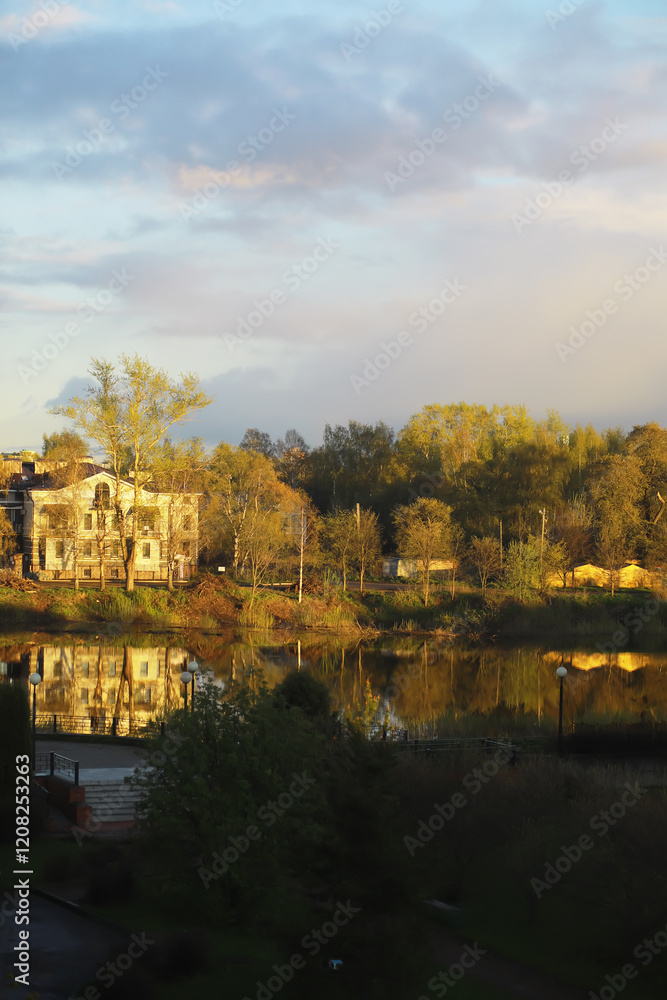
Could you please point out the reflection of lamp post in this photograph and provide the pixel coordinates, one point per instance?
(35, 679)
(186, 677)
(193, 667)
(562, 673)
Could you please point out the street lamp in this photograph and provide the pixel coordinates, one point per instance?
(193, 667)
(561, 672)
(34, 679)
(186, 677)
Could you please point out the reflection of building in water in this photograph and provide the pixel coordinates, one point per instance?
(107, 681)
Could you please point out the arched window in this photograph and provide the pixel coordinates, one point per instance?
(102, 496)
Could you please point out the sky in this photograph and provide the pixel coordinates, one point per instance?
(335, 211)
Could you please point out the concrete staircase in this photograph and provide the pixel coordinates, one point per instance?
(111, 799)
(112, 803)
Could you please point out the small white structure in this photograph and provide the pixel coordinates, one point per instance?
(397, 566)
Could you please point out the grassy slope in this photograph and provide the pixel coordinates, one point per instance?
(213, 605)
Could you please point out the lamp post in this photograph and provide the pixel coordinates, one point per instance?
(186, 677)
(193, 667)
(35, 679)
(561, 672)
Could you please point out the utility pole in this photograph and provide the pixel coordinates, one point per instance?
(544, 517)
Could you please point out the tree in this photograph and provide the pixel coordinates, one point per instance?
(353, 465)
(615, 488)
(423, 532)
(259, 441)
(133, 407)
(8, 539)
(572, 528)
(456, 544)
(366, 545)
(64, 445)
(304, 532)
(177, 470)
(612, 550)
(264, 538)
(103, 527)
(338, 535)
(291, 453)
(236, 479)
(485, 557)
(522, 568)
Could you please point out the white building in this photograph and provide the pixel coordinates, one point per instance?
(60, 526)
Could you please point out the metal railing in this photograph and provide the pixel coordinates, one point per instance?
(54, 763)
(95, 725)
(524, 744)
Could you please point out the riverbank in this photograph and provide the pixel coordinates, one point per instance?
(213, 606)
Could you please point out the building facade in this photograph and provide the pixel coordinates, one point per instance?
(72, 529)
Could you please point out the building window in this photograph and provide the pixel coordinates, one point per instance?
(87, 573)
(186, 549)
(57, 520)
(85, 669)
(102, 496)
(84, 696)
(57, 671)
(142, 696)
(87, 550)
(143, 669)
(115, 550)
(60, 550)
(112, 668)
(187, 522)
(87, 522)
(147, 550)
(111, 695)
(115, 574)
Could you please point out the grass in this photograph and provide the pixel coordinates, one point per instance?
(213, 604)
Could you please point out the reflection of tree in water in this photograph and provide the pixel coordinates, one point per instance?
(421, 680)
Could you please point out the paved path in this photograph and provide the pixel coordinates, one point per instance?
(65, 951)
(94, 755)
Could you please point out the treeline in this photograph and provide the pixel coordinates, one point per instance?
(492, 486)
(551, 495)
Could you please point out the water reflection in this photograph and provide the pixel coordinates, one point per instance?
(425, 685)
